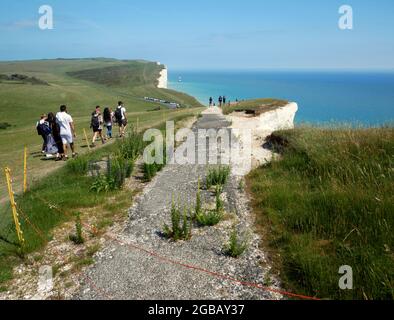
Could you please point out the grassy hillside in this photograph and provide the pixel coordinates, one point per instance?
(330, 202)
(81, 84)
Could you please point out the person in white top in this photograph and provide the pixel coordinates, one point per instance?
(67, 130)
(121, 118)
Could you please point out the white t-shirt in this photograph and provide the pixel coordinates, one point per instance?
(64, 120)
(123, 109)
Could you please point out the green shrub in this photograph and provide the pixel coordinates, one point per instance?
(150, 170)
(4, 125)
(77, 238)
(209, 218)
(102, 183)
(181, 227)
(236, 246)
(218, 176)
(219, 201)
(79, 165)
(132, 147)
(118, 169)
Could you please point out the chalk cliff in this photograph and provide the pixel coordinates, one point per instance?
(261, 127)
(163, 79)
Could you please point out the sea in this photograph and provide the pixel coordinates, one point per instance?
(357, 98)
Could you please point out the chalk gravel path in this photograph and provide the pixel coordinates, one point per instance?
(140, 264)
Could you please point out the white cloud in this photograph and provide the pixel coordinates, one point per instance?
(19, 25)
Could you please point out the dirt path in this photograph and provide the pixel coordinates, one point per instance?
(141, 264)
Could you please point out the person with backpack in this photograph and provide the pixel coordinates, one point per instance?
(108, 116)
(220, 101)
(43, 130)
(97, 126)
(210, 101)
(121, 119)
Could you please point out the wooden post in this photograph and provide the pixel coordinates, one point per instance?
(86, 138)
(25, 171)
(15, 215)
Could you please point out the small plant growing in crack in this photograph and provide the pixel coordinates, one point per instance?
(212, 217)
(181, 225)
(241, 185)
(198, 209)
(77, 238)
(236, 246)
(218, 176)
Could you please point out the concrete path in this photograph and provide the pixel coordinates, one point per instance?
(136, 265)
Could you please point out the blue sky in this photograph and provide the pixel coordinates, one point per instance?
(215, 34)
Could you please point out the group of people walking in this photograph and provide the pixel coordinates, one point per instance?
(221, 101)
(58, 132)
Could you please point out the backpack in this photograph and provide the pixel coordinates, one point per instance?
(118, 114)
(39, 130)
(95, 123)
(43, 129)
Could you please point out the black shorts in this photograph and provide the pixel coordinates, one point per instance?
(97, 129)
(122, 123)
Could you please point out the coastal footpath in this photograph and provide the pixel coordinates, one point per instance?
(141, 264)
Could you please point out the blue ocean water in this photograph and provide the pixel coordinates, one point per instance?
(365, 98)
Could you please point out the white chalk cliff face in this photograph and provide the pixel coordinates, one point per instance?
(163, 79)
(279, 119)
(261, 127)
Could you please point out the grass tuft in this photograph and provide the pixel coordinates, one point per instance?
(181, 225)
(218, 176)
(77, 238)
(236, 246)
(211, 217)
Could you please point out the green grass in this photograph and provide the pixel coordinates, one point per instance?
(255, 106)
(330, 202)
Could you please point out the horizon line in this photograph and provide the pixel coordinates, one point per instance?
(222, 69)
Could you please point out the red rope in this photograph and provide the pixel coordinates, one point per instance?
(188, 266)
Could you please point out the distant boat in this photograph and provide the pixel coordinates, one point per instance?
(180, 79)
